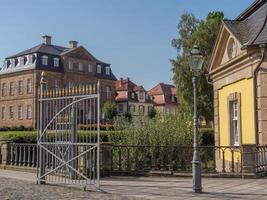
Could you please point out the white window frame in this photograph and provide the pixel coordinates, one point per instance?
(80, 67)
(90, 68)
(44, 60)
(99, 69)
(56, 62)
(20, 112)
(20, 87)
(29, 86)
(234, 123)
(70, 65)
(4, 89)
(11, 88)
(141, 95)
(107, 70)
(108, 90)
(29, 60)
(29, 112)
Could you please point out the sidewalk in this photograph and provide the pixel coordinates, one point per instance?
(21, 185)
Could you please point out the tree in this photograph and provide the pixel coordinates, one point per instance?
(203, 33)
(152, 113)
(109, 111)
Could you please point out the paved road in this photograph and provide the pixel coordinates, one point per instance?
(21, 185)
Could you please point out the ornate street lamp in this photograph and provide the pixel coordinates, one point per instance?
(196, 63)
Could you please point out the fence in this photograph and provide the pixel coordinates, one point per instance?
(142, 160)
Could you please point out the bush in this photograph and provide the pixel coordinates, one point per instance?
(206, 136)
(164, 129)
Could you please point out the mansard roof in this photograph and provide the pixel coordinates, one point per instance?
(250, 28)
(42, 48)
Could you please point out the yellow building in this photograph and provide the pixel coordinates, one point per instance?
(238, 70)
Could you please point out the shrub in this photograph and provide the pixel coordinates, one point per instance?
(206, 136)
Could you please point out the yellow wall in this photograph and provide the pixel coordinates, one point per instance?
(245, 87)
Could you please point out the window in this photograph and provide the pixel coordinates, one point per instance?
(70, 65)
(99, 69)
(11, 112)
(56, 83)
(108, 89)
(29, 59)
(3, 89)
(20, 87)
(132, 108)
(234, 122)
(20, 112)
(90, 68)
(21, 61)
(107, 70)
(120, 108)
(11, 89)
(141, 95)
(3, 113)
(29, 86)
(70, 85)
(44, 60)
(29, 111)
(56, 62)
(133, 95)
(80, 66)
(141, 109)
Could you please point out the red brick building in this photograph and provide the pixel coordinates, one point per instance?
(64, 66)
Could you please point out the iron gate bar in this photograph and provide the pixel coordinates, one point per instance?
(63, 109)
(66, 162)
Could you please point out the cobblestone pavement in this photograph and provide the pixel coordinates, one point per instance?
(21, 185)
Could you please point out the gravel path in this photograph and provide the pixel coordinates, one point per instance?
(12, 189)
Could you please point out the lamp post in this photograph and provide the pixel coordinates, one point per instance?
(196, 63)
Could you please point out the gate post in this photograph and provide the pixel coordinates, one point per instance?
(74, 163)
(41, 158)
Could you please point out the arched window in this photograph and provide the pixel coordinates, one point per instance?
(56, 62)
(44, 60)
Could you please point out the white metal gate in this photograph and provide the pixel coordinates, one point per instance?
(68, 136)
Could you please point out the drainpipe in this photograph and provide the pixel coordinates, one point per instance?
(255, 73)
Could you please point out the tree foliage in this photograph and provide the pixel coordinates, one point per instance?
(203, 33)
(109, 110)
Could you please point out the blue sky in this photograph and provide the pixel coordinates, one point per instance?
(133, 35)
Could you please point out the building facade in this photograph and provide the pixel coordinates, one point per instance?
(64, 66)
(164, 98)
(131, 98)
(238, 70)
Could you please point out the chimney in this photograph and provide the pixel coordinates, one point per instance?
(47, 40)
(128, 79)
(73, 44)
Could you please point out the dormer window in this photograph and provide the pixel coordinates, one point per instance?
(80, 66)
(29, 59)
(99, 69)
(141, 95)
(21, 61)
(107, 70)
(44, 60)
(90, 68)
(56, 62)
(173, 98)
(12, 62)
